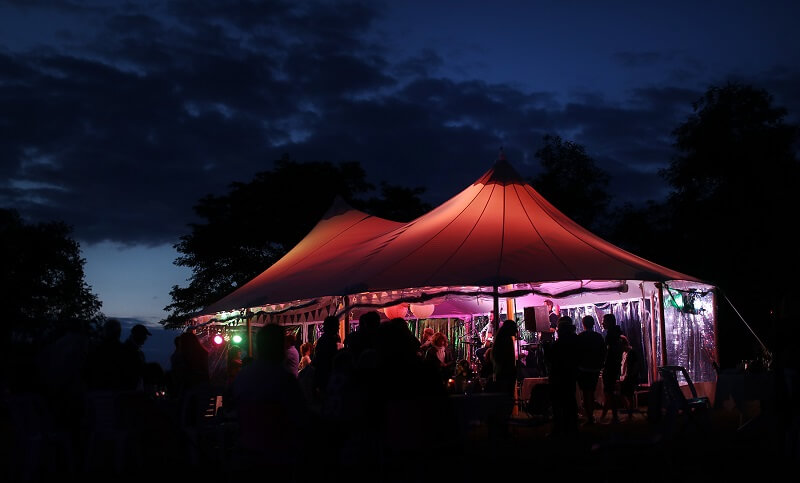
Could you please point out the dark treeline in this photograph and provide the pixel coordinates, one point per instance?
(731, 202)
(731, 196)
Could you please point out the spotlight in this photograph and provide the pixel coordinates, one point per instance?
(237, 338)
(218, 339)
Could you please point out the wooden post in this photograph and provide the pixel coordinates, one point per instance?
(510, 315)
(344, 327)
(662, 324)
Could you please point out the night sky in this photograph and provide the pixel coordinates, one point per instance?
(117, 117)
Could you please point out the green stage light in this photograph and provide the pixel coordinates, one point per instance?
(237, 339)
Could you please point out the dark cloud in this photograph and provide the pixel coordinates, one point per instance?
(122, 131)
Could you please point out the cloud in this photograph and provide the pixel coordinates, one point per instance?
(122, 129)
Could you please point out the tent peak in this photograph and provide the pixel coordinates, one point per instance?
(338, 207)
(501, 173)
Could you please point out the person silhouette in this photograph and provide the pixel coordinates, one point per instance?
(324, 351)
(133, 360)
(105, 358)
(564, 355)
(592, 350)
(612, 366)
(630, 374)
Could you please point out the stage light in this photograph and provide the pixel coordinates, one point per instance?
(218, 339)
(237, 339)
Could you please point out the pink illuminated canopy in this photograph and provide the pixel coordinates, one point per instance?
(497, 232)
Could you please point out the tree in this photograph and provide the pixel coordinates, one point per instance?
(572, 182)
(42, 280)
(733, 198)
(256, 223)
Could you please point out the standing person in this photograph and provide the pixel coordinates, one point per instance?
(592, 350)
(629, 373)
(426, 340)
(326, 347)
(552, 314)
(105, 358)
(195, 360)
(292, 360)
(612, 366)
(563, 378)
(305, 356)
(503, 358)
(269, 404)
(439, 355)
(132, 360)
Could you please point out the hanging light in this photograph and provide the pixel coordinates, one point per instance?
(396, 311)
(218, 339)
(422, 311)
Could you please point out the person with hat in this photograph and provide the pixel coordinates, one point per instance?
(132, 361)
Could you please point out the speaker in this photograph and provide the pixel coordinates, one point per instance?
(537, 319)
(530, 319)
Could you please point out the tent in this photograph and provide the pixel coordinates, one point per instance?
(496, 245)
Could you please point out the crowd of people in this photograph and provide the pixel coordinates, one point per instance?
(372, 397)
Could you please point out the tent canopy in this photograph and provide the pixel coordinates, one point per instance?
(498, 232)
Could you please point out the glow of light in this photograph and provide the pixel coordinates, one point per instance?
(218, 339)
(237, 338)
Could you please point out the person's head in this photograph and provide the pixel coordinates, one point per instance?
(508, 329)
(330, 325)
(369, 321)
(427, 333)
(112, 329)
(290, 339)
(565, 326)
(270, 343)
(609, 321)
(139, 334)
(306, 348)
(439, 340)
(626, 344)
(549, 304)
(588, 322)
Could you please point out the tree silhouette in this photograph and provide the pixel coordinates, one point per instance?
(256, 223)
(572, 182)
(42, 280)
(733, 198)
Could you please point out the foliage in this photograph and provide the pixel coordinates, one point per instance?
(572, 182)
(256, 223)
(733, 203)
(733, 188)
(42, 280)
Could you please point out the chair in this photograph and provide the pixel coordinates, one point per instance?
(199, 422)
(675, 404)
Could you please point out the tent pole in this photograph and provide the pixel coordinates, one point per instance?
(249, 337)
(496, 309)
(715, 307)
(344, 331)
(651, 373)
(662, 324)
